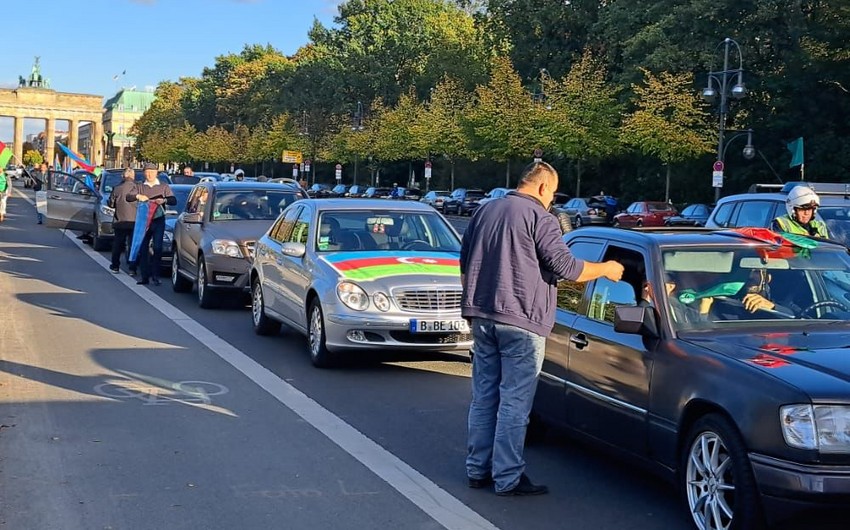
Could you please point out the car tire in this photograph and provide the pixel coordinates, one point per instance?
(578, 222)
(716, 477)
(616, 223)
(97, 242)
(263, 325)
(179, 284)
(206, 298)
(319, 354)
(639, 223)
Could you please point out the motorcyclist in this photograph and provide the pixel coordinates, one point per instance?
(801, 204)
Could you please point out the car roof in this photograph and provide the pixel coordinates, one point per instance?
(249, 185)
(680, 237)
(367, 204)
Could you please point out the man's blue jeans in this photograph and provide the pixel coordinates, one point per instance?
(505, 366)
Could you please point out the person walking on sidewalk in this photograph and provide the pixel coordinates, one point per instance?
(123, 220)
(5, 191)
(511, 258)
(158, 194)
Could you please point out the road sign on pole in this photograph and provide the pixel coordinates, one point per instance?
(307, 165)
(291, 157)
(338, 171)
(717, 178)
(295, 171)
(428, 170)
(719, 166)
(538, 155)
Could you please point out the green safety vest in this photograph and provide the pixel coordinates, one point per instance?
(3, 182)
(787, 224)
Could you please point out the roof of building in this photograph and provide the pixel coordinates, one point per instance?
(132, 100)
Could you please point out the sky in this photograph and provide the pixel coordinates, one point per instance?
(84, 44)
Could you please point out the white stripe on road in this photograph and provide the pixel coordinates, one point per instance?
(447, 510)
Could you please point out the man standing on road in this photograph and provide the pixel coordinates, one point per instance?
(159, 194)
(511, 259)
(123, 220)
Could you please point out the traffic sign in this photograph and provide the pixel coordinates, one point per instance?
(338, 167)
(717, 177)
(538, 155)
(428, 164)
(291, 157)
(719, 166)
(307, 165)
(295, 170)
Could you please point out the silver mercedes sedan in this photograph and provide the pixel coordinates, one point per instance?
(357, 275)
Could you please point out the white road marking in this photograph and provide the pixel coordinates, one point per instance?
(447, 510)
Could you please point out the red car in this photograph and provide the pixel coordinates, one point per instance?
(645, 213)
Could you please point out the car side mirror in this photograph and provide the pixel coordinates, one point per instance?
(295, 250)
(636, 320)
(194, 218)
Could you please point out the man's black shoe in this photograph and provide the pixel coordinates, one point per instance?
(478, 483)
(156, 281)
(114, 269)
(143, 281)
(133, 272)
(524, 487)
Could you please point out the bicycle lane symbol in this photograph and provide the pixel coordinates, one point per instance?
(194, 392)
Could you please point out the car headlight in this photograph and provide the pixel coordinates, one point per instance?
(353, 296)
(825, 428)
(107, 211)
(168, 236)
(226, 247)
(382, 302)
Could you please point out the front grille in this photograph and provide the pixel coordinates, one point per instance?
(430, 338)
(428, 299)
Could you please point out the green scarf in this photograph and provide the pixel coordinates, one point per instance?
(689, 296)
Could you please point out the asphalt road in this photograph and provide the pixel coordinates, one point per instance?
(124, 406)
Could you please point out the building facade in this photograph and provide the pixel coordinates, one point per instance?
(120, 113)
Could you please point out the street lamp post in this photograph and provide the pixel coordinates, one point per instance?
(357, 126)
(723, 81)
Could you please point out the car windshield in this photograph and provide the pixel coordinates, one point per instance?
(365, 230)
(659, 207)
(711, 288)
(182, 195)
(475, 194)
(245, 205)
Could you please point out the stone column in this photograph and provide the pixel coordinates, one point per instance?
(49, 140)
(97, 143)
(19, 140)
(73, 135)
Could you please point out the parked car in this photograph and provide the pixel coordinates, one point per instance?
(215, 235)
(77, 201)
(760, 209)
(645, 213)
(495, 193)
(319, 191)
(463, 201)
(364, 275)
(586, 211)
(340, 190)
(181, 193)
(435, 198)
(356, 191)
(692, 215)
(377, 193)
(408, 194)
(743, 411)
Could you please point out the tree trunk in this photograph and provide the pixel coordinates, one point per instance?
(508, 174)
(578, 178)
(667, 185)
(453, 175)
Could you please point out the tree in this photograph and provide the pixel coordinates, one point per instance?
(669, 123)
(216, 144)
(32, 158)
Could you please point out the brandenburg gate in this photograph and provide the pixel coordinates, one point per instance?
(34, 100)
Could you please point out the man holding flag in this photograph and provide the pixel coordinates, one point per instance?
(152, 196)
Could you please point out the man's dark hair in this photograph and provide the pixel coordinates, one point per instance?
(535, 172)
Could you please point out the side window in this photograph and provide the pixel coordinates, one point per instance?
(301, 230)
(724, 212)
(285, 223)
(570, 293)
(690, 210)
(606, 295)
(193, 201)
(754, 213)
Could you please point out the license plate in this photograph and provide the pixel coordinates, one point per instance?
(438, 326)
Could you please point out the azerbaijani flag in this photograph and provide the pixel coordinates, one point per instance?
(144, 217)
(56, 165)
(76, 157)
(374, 265)
(5, 155)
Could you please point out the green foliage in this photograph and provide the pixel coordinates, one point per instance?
(32, 158)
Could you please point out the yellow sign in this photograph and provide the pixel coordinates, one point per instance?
(291, 157)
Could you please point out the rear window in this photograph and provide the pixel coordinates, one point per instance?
(659, 207)
(475, 194)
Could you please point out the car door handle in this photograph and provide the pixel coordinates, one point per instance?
(56, 197)
(580, 340)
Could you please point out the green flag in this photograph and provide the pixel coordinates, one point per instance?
(5, 155)
(796, 148)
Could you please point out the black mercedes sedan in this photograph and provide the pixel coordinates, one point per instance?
(721, 360)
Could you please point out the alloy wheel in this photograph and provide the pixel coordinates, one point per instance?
(316, 331)
(710, 484)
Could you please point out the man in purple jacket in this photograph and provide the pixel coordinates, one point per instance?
(510, 261)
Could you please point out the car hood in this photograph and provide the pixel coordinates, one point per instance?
(391, 267)
(816, 359)
(238, 230)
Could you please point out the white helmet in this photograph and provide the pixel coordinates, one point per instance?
(800, 196)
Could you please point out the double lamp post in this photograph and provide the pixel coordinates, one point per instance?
(728, 82)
